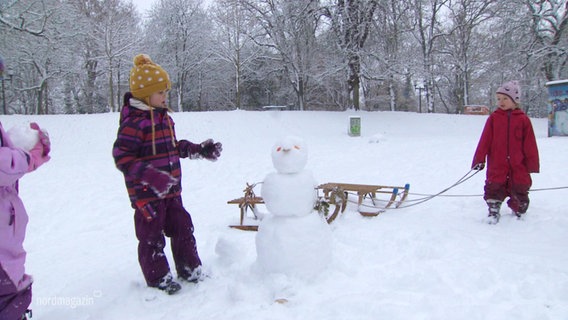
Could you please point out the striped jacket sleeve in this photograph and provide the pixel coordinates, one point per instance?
(126, 148)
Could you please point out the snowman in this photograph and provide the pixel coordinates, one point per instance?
(293, 239)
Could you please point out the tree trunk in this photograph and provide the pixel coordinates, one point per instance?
(354, 82)
(111, 88)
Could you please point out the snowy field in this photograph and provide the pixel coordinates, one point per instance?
(434, 260)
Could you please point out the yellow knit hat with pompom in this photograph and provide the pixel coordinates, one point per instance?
(146, 77)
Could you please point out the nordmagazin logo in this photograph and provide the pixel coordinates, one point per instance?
(70, 301)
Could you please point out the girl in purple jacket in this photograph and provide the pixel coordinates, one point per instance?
(15, 284)
(147, 152)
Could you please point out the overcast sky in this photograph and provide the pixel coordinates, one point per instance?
(143, 5)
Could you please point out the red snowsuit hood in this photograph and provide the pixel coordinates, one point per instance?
(509, 144)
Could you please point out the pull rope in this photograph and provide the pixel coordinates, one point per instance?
(448, 195)
(427, 197)
(546, 189)
(480, 195)
(461, 180)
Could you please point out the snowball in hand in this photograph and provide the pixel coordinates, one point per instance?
(23, 137)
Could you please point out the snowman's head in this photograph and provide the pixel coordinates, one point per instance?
(289, 155)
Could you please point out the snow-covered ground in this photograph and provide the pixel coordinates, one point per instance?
(433, 260)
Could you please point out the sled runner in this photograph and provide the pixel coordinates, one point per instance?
(397, 195)
(333, 197)
(331, 203)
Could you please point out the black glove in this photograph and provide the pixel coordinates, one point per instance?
(188, 149)
(479, 166)
(211, 150)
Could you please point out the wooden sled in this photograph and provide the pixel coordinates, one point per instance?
(246, 203)
(397, 195)
(336, 200)
(331, 204)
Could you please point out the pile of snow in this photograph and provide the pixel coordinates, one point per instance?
(376, 138)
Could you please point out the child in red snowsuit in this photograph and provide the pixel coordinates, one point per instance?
(509, 144)
(148, 154)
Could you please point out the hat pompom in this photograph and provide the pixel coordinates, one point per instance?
(142, 59)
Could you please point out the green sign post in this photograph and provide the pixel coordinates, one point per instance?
(354, 126)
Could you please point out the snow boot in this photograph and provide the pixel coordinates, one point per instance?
(27, 315)
(522, 210)
(494, 207)
(168, 285)
(194, 276)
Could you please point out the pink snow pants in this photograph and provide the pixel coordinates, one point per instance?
(13, 303)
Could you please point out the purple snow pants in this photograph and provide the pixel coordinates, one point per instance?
(13, 303)
(175, 222)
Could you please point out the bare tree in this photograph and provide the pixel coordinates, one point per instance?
(24, 34)
(549, 30)
(177, 36)
(25, 16)
(388, 53)
(352, 22)
(466, 16)
(428, 16)
(117, 32)
(288, 31)
(321, 54)
(233, 45)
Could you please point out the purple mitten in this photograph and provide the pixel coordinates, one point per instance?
(147, 210)
(43, 138)
(159, 181)
(211, 150)
(37, 157)
(188, 149)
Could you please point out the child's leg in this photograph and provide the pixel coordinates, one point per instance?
(151, 245)
(494, 195)
(519, 199)
(13, 303)
(179, 228)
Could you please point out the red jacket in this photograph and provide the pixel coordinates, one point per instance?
(509, 144)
